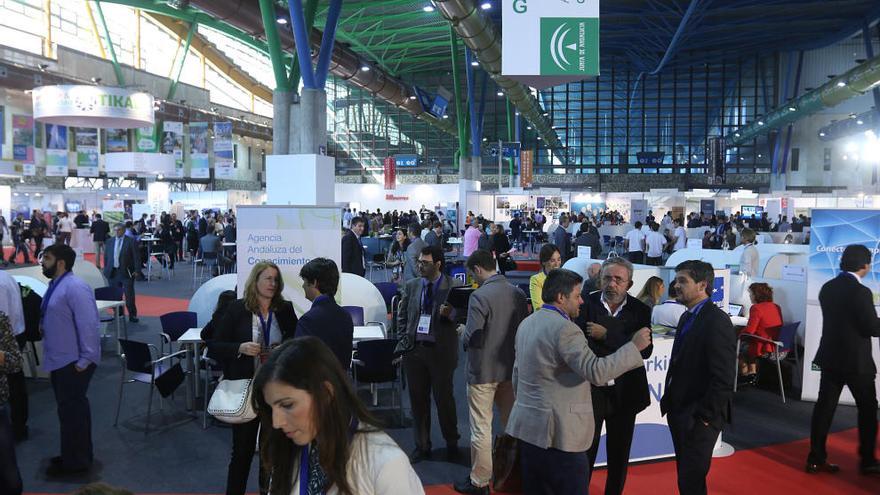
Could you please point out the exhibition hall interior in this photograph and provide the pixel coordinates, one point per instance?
(439, 246)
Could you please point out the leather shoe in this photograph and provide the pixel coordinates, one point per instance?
(58, 470)
(825, 467)
(133, 319)
(870, 469)
(467, 486)
(418, 455)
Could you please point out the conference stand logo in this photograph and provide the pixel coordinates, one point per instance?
(569, 46)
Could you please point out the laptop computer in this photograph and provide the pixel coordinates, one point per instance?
(734, 309)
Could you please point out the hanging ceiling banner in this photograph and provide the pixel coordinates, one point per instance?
(56, 150)
(139, 163)
(145, 139)
(92, 106)
(172, 144)
(224, 159)
(549, 43)
(87, 152)
(198, 150)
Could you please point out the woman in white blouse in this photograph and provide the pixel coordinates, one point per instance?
(321, 438)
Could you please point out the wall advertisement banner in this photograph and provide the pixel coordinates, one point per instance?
(198, 151)
(830, 232)
(526, 169)
(87, 152)
(289, 236)
(390, 170)
(224, 159)
(172, 144)
(639, 210)
(550, 43)
(23, 138)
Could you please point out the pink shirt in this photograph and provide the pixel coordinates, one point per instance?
(471, 240)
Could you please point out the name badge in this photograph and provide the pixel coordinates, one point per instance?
(424, 325)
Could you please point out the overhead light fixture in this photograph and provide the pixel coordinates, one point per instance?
(160, 177)
(529, 128)
(43, 67)
(821, 134)
(792, 109)
(546, 114)
(760, 122)
(445, 116)
(539, 138)
(485, 139)
(365, 68)
(428, 8)
(736, 134)
(860, 122)
(282, 21)
(840, 84)
(695, 157)
(412, 97)
(486, 6)
(475, 63)
(96, 80)
(760, 155)
(500, 93)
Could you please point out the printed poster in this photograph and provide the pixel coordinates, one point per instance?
(198, 152)
(172, 144)
(87, 152)
(23, 138)
(145, 139)
(224, 161)
(56, 150)
(117, 140)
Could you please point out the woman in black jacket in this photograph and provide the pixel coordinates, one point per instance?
(248, 330)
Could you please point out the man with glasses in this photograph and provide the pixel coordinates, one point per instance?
(429, 344)
(609, 318)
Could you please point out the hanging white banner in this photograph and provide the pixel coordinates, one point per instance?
(92, 106)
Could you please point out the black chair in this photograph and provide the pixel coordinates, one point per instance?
(174, 325)
(356, 313)
(374, 363)
(139, 366)
(112, 294)
(388, 290)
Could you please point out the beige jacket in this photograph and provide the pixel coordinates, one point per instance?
(551, 378)
(377, 466)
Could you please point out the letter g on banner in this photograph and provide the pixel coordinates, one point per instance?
(519, 6)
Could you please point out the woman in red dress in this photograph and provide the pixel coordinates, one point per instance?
(765, 318)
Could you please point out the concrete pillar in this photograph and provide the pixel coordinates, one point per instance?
(280, 122)
(295, 139)
(313, 121)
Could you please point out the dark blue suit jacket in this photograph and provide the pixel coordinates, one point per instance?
(330, 323)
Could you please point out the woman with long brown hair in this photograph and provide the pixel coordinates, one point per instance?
(245, 334)
(321, 438)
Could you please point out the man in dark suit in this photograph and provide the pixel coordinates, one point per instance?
(848, 323)
(610, 317)
(100, 230)
(434, 237)
(352, 249)
(326, 319)
(589, 236)
(121, 264)
(699, 381)
(561, 238)
(429, 344)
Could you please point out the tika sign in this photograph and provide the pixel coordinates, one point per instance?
(550, 42)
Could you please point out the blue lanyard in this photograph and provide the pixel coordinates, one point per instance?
(51, 290)
(266, 326)
(554, 308)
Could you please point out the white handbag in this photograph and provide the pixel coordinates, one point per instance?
(231, 402)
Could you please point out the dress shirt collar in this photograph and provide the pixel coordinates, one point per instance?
(608, 308)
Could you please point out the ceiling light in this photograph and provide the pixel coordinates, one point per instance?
(546, 114)
(821, 134)
(486, 6)
(96, 80)
(840, 84)
(695, 157)
(282, 21)
(428, 8)
(539, 138)
(365, 68)
(160, 177)
(760, 155)
(760, 122)
(412, 97)
(500, 93)
(792, 109)
(529, 128)
(445, 116)
(860, 122)
(485, 139)
(475, 63)
(736, 134)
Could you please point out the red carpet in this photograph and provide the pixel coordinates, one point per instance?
(774, 470)
(157, 306)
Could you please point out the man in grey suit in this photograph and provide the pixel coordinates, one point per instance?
(429, 344)
(434, 237)
(495, 310)
(561, 238)
(121, 264)
(416, 244)
(553, 413)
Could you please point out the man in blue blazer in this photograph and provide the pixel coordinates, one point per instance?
(326, 320)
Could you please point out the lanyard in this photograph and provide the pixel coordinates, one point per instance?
(554, 308)
(304, 460)
(51, 290)
(266, 326)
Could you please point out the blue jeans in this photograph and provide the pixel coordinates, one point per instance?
(10, 477)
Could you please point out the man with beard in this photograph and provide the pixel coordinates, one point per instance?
(72, 351)
(610, 317)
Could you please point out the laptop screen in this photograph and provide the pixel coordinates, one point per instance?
(734, 309)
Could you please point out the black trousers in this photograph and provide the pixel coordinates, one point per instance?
(244, 444)
(10, 477)
(74, 415)
(694, 443)
(637, 257)
(830, 386)
(654, 261)
(553, 472)
(119, 278)
(618, 440)
(18, 398)
(429, 372)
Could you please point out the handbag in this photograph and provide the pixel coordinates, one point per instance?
(506, 475)
(231, 402)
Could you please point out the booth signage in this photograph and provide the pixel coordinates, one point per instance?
(92, 106)
(547, 43)
(406, 160)
(650, 158)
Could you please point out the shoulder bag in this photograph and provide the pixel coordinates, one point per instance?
(231, 402)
